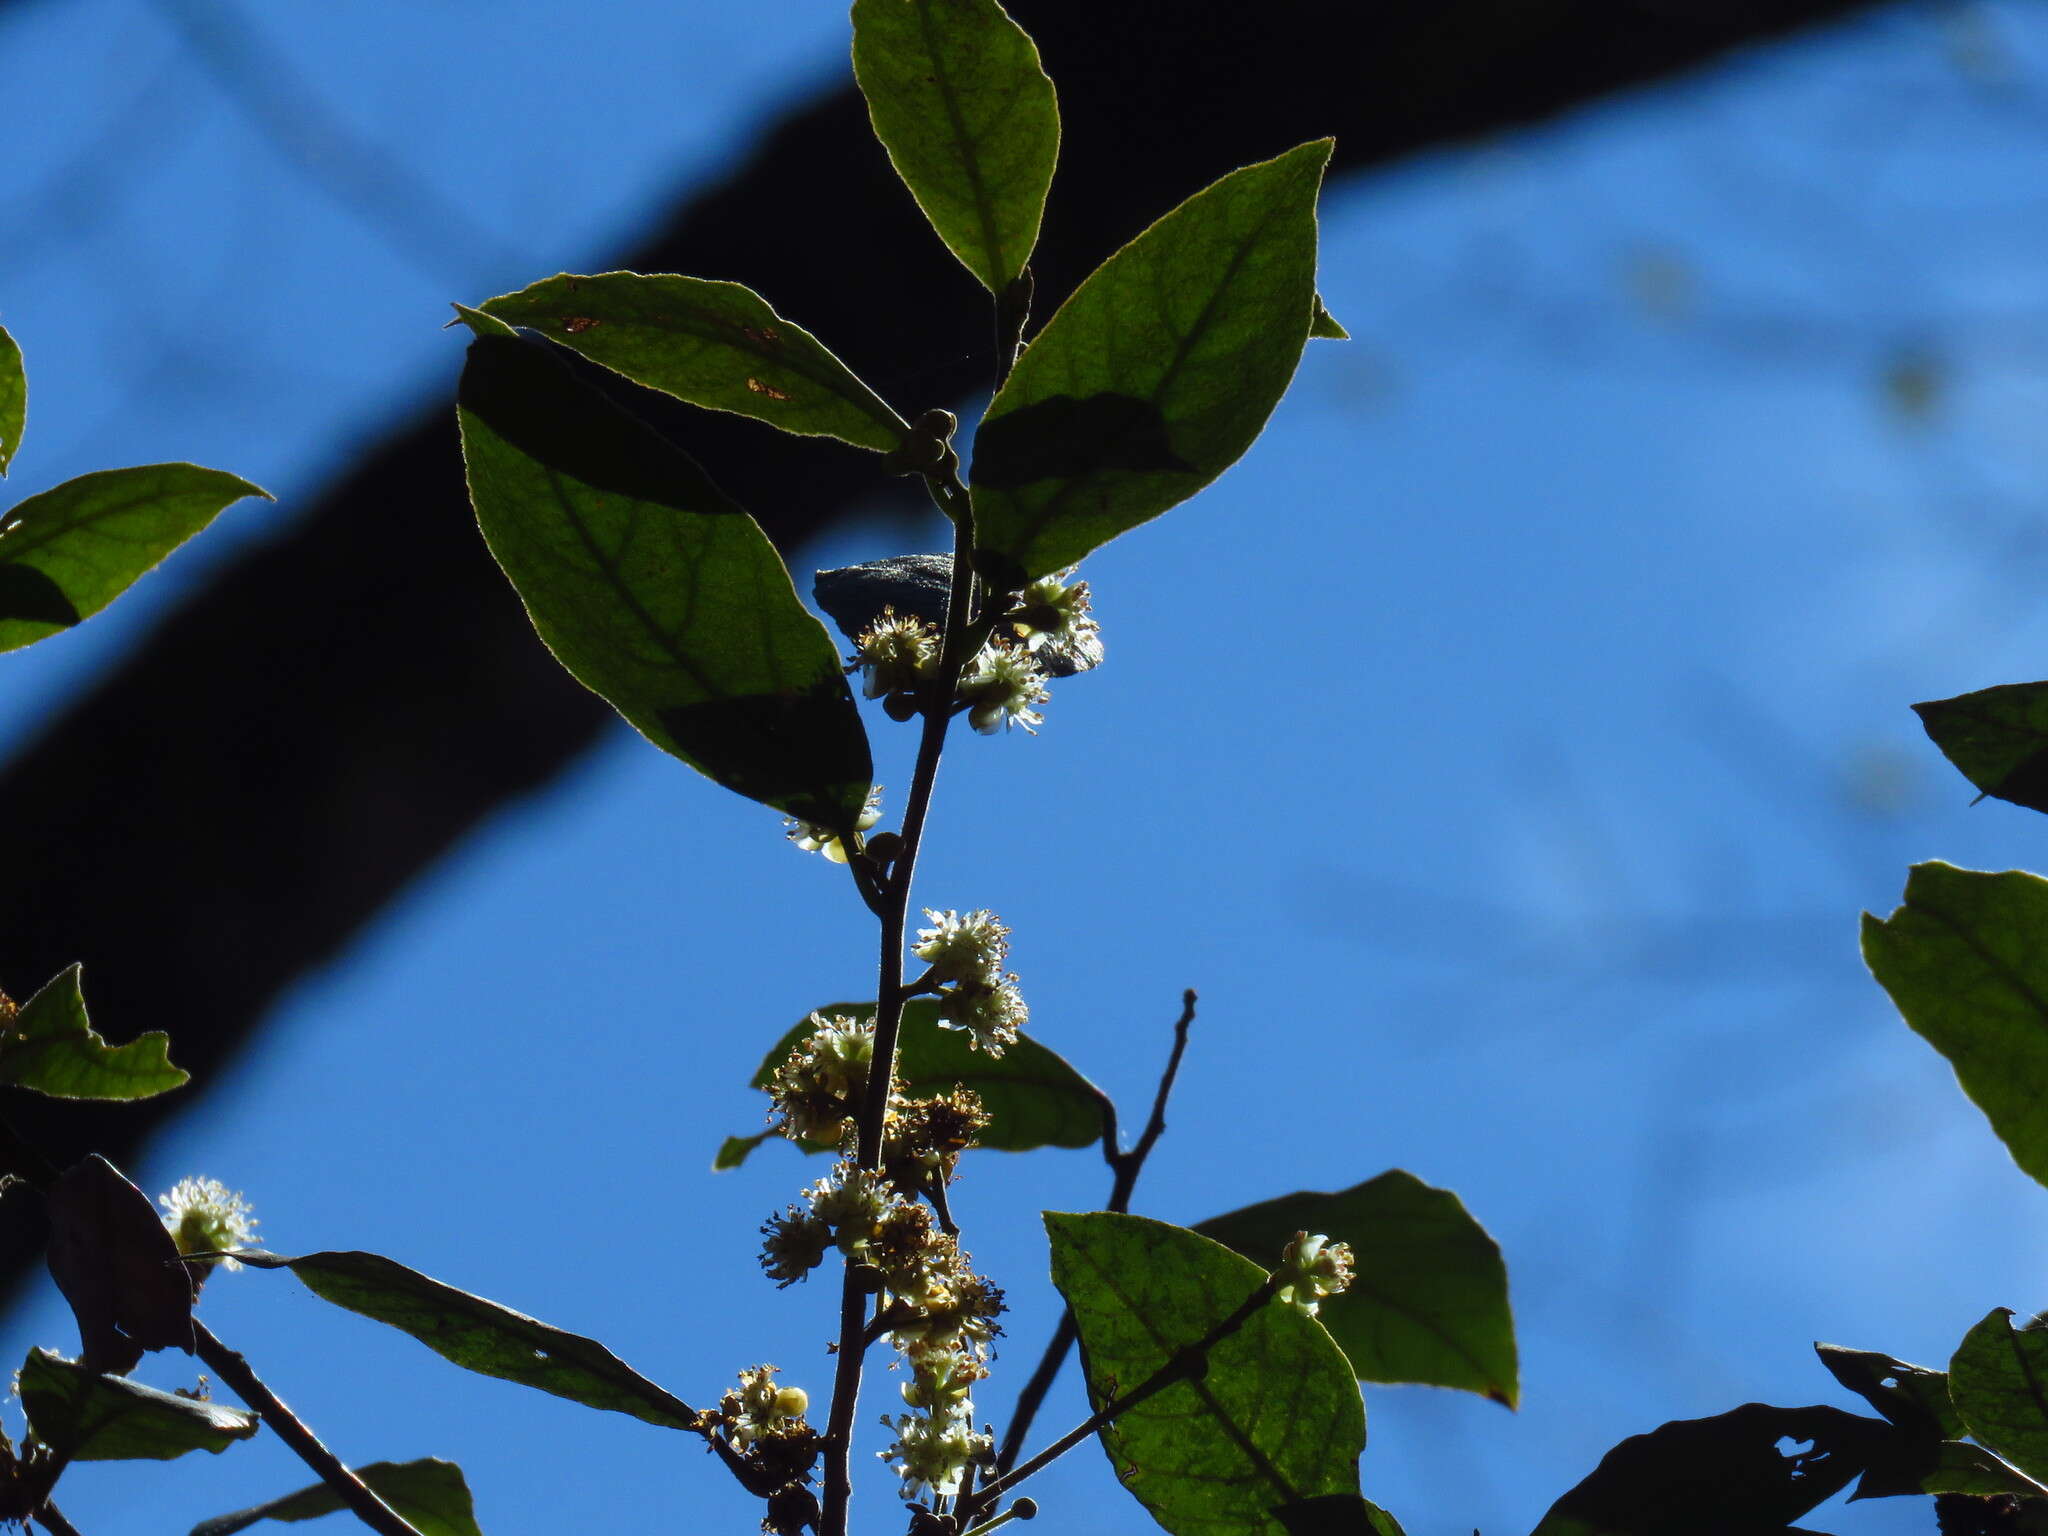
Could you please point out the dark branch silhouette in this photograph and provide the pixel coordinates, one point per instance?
(281, 755)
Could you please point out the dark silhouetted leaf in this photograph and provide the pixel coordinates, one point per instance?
(713, 344)
(431, 1494)
(1276, 1420)
(919, 586)
(97, 1417)
(68, 552)
(1154, 376)
(1324, 326)
(53, 1049)
(1998, 738)
(1911, 1396)
(1966, 960)
(115, 1262)
(969, 119)
(654, 589)
(1999, 1381)
(1337, 1514)
(1034, 1098)
(13, 400)
(480, 1335)
(1428, 1300)
(1724, 1476)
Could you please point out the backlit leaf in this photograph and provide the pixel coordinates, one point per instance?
(1998, 738)
(92, 1416)
(13, 399)
(431, 1494)
(1999, 1380)
(654, 589)
(1428, 1300)
(71, 550)
(1966, 961)
(969, 119)
(1276, 1421)
(481, 1335)
(52, 1048)
(1154, 376)
(713, 344)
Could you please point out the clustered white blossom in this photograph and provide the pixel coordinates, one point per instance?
(895, 654)
(815, 837)
(1000, 688)
(1314, 1268)
(1053, 621)
(966, 957)
(205, 1216)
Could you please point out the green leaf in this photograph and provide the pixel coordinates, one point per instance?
(13, 400)
(1033, 1097)
(655, 590)
(1154, 376)
(713, 344)
(1999, 1380)
(94, 1417)
(52, 1048)
(1323, 325)
(1911, 1396)
(1337, 1514)
(1428, 1300)
(482, 1336)
(1275, 1421)
(68, 552)
(1966, 961)
(1723, 1476)
(1998, 738)
(1905, 1466)
(957, 97)
(432, 1495)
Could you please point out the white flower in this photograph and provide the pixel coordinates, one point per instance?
(1053, 622)
(205, 1216)
(933, 1452)
(895, 654)
(999, 690)
(957, 948)
(813, 837)
(990, 1011)
(1314, 1267)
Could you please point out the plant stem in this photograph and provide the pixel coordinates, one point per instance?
(352, 1490)
(891, 989)
(1125, 1168)
(1186, 1364)
(51, 1519)
(1013, 311)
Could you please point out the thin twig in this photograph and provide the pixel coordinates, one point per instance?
(1013, 312)
(1125, 1167)
(51, 1519)
(1186, 1364)
(286, 1425)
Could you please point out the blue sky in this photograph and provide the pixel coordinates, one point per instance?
(1504, 749)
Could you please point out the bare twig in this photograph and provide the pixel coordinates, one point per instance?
(1125, 1168)
(286, 1425)
(51, 1519)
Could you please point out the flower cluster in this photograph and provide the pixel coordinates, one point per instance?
(1000, 688)
(764, 1423)
(1053, 621)
(815, 837)
(1313, 1268)
(205, 1216)
(895, 655)
(966, 957)
(819, 1087)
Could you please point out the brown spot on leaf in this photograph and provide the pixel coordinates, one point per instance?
(762, 335)
(576, 325)
(766, 389)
